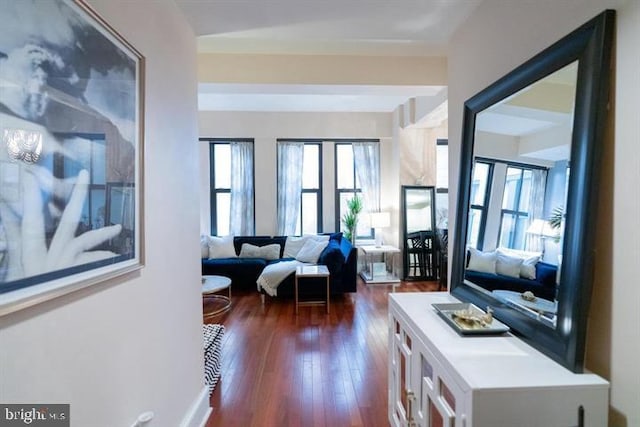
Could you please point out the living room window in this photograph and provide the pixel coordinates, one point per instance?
(231, 186)
(348, 184)
(310, 221)
(308, 173)
(479, 199)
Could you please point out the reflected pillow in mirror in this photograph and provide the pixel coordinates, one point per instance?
(508, 265)
(484, 262)
(528, 268)
(529, 261)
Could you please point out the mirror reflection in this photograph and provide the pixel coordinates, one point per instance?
(418, 207)
(418, 212)
(518, 194)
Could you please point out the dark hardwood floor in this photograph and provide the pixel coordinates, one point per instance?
(313, 369)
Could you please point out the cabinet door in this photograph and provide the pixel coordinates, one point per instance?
(440, 402)
(401, 395)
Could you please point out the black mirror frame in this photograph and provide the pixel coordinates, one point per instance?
(591, 45)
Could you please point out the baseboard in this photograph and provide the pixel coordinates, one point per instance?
(199, 411)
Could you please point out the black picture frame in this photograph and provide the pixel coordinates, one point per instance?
(591, 45)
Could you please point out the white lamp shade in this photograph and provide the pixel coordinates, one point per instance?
(380, 219)
(542, 228)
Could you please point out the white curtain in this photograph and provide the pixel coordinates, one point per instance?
(290, 158)
(534, 242)
(366, 156)
(241, 212)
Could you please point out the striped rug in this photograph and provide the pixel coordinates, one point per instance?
(212, 354)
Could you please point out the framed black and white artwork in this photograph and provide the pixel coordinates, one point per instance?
(71, 150)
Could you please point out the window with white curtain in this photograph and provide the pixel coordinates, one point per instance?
(348, 183)
(231, 186)
(242, 194)
(311, 201)
(479, 202)
(299, 187)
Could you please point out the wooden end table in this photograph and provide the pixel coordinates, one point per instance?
(210, 286)
(308, 271)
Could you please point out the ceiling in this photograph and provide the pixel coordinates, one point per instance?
(313, 27)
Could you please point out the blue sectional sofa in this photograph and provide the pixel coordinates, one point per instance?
(340, 257)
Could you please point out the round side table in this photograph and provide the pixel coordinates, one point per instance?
(210, 286)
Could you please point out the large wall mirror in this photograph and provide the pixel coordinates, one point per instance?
(528, 187)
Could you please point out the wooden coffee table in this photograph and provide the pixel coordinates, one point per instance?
(211, 285)
(309, 271)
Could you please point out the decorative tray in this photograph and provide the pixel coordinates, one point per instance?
(467, 319)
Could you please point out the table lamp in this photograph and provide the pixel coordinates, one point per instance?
(380, 220)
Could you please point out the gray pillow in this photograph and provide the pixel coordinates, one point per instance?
(268, 252)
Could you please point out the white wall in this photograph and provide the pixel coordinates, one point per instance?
(503, 34)
(135, 343)
(266, 128)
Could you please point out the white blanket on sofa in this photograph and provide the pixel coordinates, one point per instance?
(274, 274)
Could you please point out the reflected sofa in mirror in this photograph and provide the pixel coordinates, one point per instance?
(419, 260)
(528, 188)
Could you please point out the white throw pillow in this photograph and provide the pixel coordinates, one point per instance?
(508, 265)
(293, 244)
(311, 250)
(529, 261)
(204, 246)
(221, 247)
(268, 252)
(528, 268)
(484, 262)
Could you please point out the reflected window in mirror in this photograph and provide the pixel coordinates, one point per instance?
(481, 178)
(514, 216)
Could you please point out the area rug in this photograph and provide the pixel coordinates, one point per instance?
(213, 334)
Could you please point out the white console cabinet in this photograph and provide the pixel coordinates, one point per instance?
(440, 378)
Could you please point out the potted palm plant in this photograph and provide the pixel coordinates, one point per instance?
(555, 221)
(350, 218)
